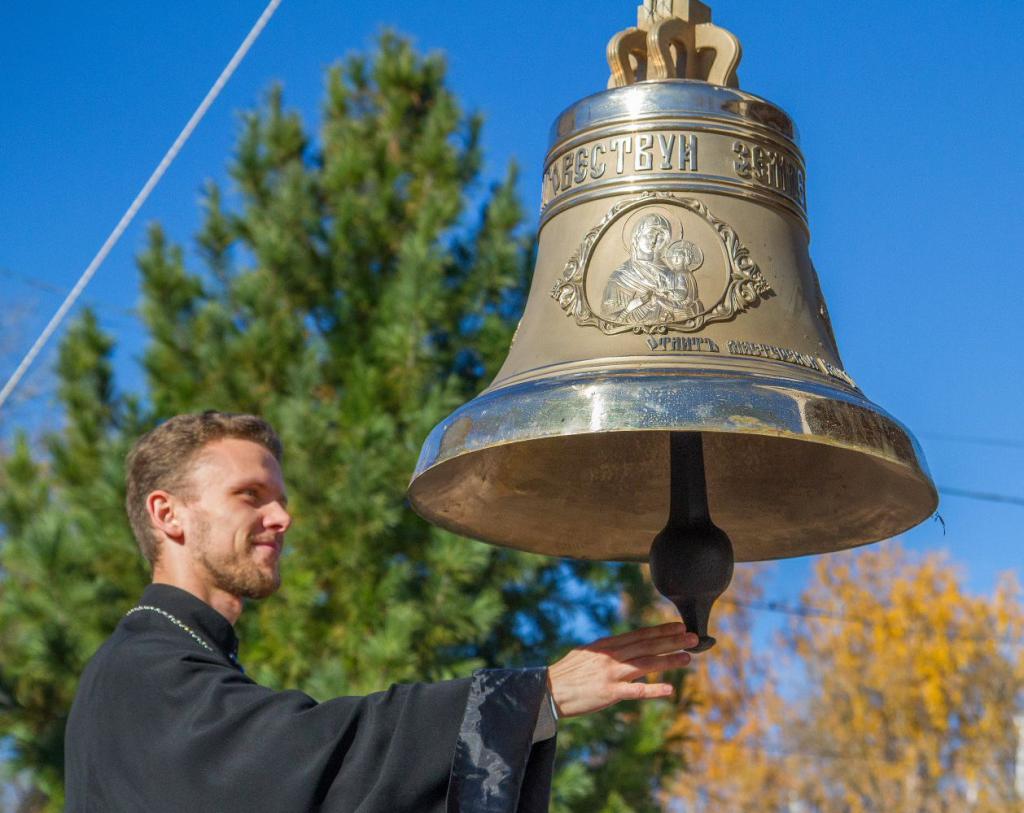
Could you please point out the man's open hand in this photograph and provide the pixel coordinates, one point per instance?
(597, 675)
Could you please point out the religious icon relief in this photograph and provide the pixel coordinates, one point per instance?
(655, 263)
(656, 284)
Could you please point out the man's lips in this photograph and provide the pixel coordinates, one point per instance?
(268, 543)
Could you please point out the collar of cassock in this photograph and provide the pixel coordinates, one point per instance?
(197, 614)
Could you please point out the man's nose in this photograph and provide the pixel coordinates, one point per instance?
(277, 517)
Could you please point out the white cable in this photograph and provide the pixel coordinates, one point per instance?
(140, 199)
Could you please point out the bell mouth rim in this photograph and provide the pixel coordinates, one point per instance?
(711, 384)
(834, 424)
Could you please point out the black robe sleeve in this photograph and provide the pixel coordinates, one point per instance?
(158, 726)
(495, 769)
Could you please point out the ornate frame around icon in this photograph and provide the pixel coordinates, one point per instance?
(745, 288)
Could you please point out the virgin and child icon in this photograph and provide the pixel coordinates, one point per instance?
(656, 284)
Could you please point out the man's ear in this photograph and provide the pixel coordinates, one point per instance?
(162, 508)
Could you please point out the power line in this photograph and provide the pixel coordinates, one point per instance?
(818, 613)
(984, 496)
(38, 284)
(779, 750)
(1009, 443)
(802, 610)
(782, 751)
(140, 199)
(57, 290)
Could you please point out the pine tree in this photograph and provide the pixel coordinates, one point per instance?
(345, 293)
(65, 575)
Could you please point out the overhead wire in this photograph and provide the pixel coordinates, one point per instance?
(32, 282)
(818, 613)
(783, 751)
(984, 496)
(140, 199)
(108, 308)
(1007, 443)
(783, 607)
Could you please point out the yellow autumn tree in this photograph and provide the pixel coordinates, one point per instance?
(911, 689)
(730, 717)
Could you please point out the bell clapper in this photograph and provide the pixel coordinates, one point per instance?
(691, 559)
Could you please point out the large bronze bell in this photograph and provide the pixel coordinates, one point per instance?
(675, 375)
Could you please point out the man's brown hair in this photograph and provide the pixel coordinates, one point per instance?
(163, 459)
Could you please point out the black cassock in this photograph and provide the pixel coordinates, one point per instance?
(165, 720)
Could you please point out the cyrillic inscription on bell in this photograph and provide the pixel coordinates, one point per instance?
(674, 392)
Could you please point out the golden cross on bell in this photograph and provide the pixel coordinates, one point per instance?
(653, 11)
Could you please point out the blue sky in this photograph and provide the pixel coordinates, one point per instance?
(910, 120)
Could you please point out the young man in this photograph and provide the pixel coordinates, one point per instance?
(166, 720)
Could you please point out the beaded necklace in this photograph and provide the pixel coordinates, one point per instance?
(195, 635)
(176, 621)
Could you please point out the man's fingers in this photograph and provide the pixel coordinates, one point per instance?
(642, 634)
(655, 663)
(643, 691)
(662, 645)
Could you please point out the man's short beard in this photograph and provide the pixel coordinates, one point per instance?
(236, 574)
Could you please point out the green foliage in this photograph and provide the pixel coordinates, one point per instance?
(65, 575)
(345, 294)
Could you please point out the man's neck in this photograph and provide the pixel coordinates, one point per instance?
(227, 604)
